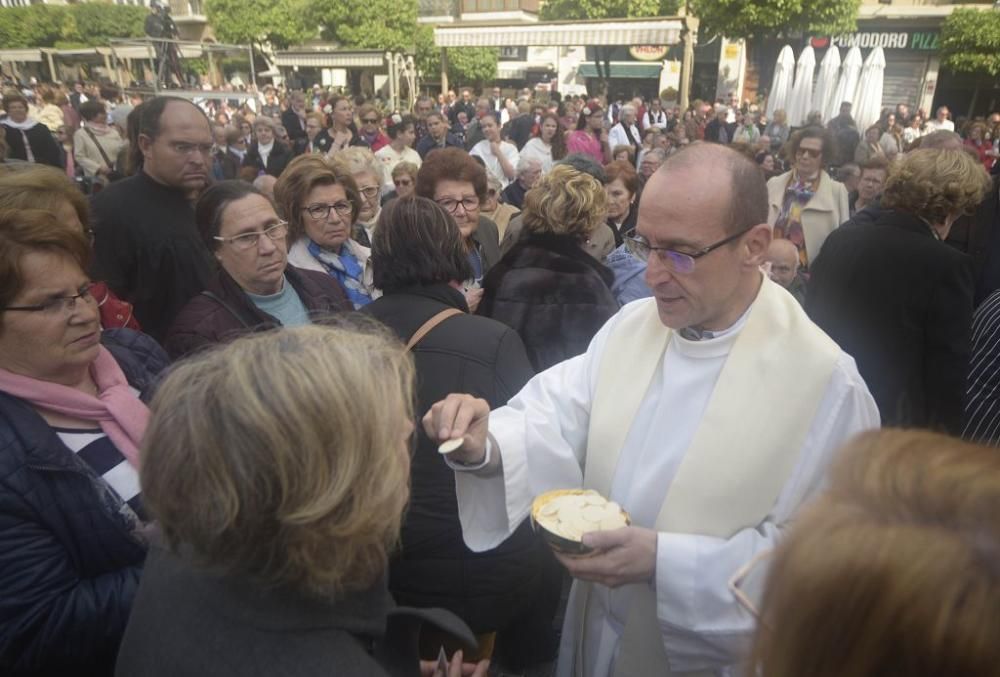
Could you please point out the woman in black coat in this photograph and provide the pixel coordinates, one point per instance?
(419, 258)
(547, 288)
(27, 139)
(897, 299)
(267, 154)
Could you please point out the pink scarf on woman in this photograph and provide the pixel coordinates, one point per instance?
(122, 416)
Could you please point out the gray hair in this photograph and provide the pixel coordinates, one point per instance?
(527, 164)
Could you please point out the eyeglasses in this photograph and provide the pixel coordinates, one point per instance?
(679, 262)
(403, 182)
(58, 305)
(369, 121)
(811, 152)
(321, 211)
(245, 241)
(370, 192)
(190, 148)
(451, 206)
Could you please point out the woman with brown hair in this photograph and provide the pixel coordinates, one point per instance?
(371, 133)
(27, 139)
(893, 571)
(320, 201)
(547, 288)
(898, 299)
(41, 185)
(457, 183)
(72, 419)
(420, 262)
(549, 145)
(277, 469)
(622, 190)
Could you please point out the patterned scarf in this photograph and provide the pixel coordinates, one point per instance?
(348, 271)
(798, 192)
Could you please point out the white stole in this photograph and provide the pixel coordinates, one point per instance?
(743, 449)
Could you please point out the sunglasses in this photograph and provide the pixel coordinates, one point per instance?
(369, 121)
(811, 152)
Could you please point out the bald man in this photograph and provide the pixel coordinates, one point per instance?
(684, 434)
(783, 257)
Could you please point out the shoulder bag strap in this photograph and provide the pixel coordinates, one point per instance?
(100, 148)
(426, 327)
(228, 307)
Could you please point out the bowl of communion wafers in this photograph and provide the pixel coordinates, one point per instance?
(563, 516)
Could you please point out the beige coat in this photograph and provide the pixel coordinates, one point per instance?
(827, 209)
(86, 152)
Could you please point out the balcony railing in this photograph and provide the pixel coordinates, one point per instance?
(437, 8)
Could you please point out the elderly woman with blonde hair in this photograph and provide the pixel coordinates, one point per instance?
(898, 299)
(321, 203)
(892, 572)
(279, 496)
(547, 288)
(366, 171)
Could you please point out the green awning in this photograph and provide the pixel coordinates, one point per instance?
(623, 70)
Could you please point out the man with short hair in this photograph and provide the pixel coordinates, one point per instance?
(422, 107)
(474, 131)
(437, 136)
(941, 122)
(783, 258)
(500, 157)
(518, 130)
(529, 170)
(709, 413)
(651, 161)
(147, 247)
(873, 176)
(849, 174)
(845, 134)
(225, 166)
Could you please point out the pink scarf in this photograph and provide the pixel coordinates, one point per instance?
(122, 416)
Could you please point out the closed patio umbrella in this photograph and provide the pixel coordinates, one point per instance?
(868, 101)
(781, 85)
(801, 97)
(826, 84)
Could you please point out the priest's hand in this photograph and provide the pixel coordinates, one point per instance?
(460, 416)
(620, 557)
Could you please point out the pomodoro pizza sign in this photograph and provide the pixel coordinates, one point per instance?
(918, 41)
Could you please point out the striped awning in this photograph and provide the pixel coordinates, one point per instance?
(21, 55)
(561, 33)
(623, 69)
(329, 59)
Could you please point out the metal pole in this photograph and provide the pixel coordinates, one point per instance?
(52, 65)
(686, 65)
(253, 71)
(444, 70)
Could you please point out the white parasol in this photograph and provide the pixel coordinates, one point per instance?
(801, 96)
(781, 86)
(826, 84)
(847, 85)
(868, 102)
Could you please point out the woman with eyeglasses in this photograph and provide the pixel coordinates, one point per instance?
(402, 133)
(41, 185)
(367, 174)
(547, 288)
(805, 205)
(457, 183)
(321, 202)
(72, 418)
(371, 133)
(404, 182)
(498, 212)
(255, 288)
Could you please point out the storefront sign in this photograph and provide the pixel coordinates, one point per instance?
(647, 52)
(916, 41)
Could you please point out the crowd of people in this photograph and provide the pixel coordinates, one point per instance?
(233, 340)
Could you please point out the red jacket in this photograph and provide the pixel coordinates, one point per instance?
(115, 313)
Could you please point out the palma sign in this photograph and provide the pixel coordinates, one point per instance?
(648, 52)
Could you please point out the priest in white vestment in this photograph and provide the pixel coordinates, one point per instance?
(709, 412)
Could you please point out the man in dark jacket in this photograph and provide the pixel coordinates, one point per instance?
(294, 119)
(898, 299)
(146, 245)
(437, 136)
(69, 559)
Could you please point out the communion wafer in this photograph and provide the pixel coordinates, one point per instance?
(572, 515)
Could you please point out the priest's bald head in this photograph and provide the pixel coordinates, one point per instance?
(703, 224)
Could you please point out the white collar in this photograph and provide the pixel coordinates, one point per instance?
(23, 126)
